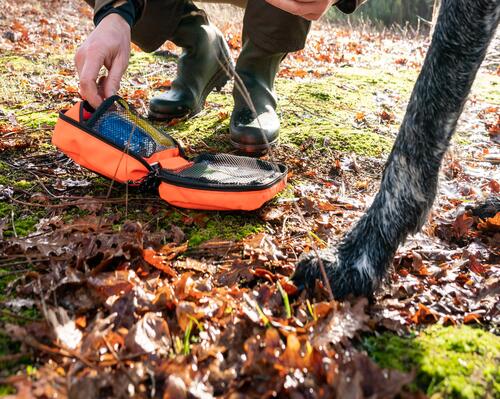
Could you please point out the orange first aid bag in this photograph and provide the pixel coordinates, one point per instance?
(116, 142)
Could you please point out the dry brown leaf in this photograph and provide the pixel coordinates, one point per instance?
(149, 335)
(490, 224)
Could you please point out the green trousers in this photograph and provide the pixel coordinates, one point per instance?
(270, 28)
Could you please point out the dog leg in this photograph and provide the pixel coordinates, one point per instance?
(409, 182)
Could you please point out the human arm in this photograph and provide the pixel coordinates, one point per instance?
(109, 46)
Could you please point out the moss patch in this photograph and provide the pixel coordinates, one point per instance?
(24, 223)
(209, 128)
(487, 87)
(23, 78)
(455, 362)
(141, 61)
(320, 110)
(12, 62)
(39, 119)
(6, 390)
(7, 345)
(200, 227)
(227, 227)
(326, 110)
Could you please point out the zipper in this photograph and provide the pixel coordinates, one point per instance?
(171, 178)
(116, 99)
(181, 182)
(103, 139)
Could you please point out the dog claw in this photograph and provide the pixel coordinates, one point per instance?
(344, 278)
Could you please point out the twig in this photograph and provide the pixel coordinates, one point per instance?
(21, 262)
(30, 341)
(14, 272)
(120, 363)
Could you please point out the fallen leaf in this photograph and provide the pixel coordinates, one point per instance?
(424, 315)
(157, 260)
(491, 224)
(149, 335)
(462, 225)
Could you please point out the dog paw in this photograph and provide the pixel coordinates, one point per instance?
(346, 276)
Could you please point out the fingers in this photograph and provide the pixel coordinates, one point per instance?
(88, 68)
(112, 81)
(100, 86)
(109, 46)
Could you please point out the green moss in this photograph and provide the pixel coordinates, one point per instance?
(141, 61)
(12, 62)
(14, 177)
(39, 119)
(23, 184)
(287, 193)
(360, 142)
(6, 390)
(487, 87)
(200, 227)
(458, 362)
(5, 181)
(5, 209)
(24, 223)
(209, 128)
(5, 280)
(320, 95)
(326, 110)
(225, 226)
(321, 110)
(21, 75)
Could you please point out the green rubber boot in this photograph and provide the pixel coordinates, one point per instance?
(254, 133)
(199, 69)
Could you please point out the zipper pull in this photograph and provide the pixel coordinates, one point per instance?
(151, 181)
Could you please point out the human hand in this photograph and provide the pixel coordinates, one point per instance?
(108, 45)
(308, 9)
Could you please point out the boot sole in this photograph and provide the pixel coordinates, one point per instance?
(258, 149)
(217, 82)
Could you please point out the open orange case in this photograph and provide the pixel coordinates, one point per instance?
(116, 142)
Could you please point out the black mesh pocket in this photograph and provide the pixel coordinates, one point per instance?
(223, 171)
(116, 122)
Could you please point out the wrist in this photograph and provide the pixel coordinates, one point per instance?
(117, 19)
(123, 8)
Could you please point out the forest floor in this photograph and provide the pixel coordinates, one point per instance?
(113, 293)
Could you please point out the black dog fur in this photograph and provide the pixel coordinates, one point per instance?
(409, 183)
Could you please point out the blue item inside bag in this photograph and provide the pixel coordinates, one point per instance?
(115, 127)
